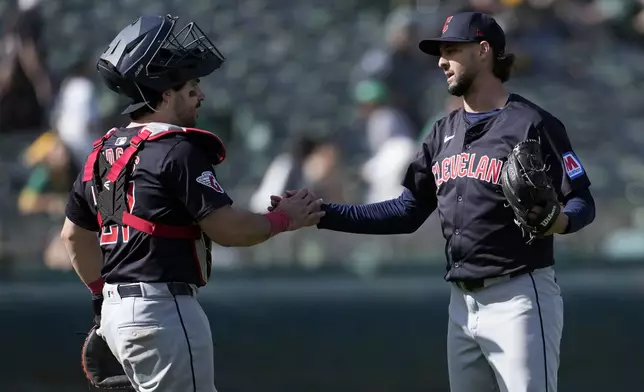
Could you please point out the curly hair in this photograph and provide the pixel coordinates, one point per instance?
(502, 66)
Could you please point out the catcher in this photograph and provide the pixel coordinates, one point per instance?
(144, 209)
(497, 161)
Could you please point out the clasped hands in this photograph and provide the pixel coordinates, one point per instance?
(302, 207)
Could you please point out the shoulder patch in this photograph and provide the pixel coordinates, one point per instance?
(572, 165)
(208, 179)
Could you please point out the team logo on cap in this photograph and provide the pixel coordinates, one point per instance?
(446, 25)
(208, 179)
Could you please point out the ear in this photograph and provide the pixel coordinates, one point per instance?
(484, 48)
(166, 97)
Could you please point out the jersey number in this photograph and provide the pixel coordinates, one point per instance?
(110, 234)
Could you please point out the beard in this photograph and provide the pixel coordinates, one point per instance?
(185, 115)
(461, 84)
(187, 121)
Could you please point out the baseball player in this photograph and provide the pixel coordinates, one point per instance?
(506, 310)
(146, 205)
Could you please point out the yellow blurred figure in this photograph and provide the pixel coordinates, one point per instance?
(511, 3)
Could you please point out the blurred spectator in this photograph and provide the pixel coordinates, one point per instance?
(312, 164)
(400, 66)
(76, 113)
(627, 244)
(52, 175)
(451, 103)
(580, 58)
(391, 139)
(25, 87)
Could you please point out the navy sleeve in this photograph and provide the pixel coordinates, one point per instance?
(190, 176)
(77, 209)
(396, 216)
(402, 215)
(580, 210)
(419, 178)
(565, 166)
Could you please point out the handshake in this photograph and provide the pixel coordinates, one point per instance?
(302, 207)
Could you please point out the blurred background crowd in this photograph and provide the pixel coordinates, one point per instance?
(332, 95)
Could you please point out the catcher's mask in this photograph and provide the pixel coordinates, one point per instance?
(148, 55)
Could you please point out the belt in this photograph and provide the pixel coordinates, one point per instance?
(134, 290)
(478, 284)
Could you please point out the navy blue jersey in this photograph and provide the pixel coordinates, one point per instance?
(173, 182)
(459, 168)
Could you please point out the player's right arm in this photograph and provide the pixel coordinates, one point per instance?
(190, 177)
(230, 226)
(79, 237)
(402, 215)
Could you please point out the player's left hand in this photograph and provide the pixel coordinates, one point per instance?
(560, 225)
(97, 304)
(100, 366)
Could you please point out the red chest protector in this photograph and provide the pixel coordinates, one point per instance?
(110, 182)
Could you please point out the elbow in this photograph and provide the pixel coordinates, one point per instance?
(415, 219)
(582, 214)
(590, 205)
(592, 216)
(410, 225)
(67, 234)
(416, 226)
(71, 234)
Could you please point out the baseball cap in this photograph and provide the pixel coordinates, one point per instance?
(467, 27)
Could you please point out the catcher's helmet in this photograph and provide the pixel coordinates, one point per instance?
(148, 55)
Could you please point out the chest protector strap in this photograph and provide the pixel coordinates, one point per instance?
(111, 182)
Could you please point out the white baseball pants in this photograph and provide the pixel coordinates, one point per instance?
(506, 337)
(163, 342)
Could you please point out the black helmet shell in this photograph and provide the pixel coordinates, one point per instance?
(148, 55)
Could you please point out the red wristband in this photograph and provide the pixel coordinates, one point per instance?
(96, 287)
(279, 221)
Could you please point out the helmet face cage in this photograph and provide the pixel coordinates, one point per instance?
(148, 56)
(185, 48)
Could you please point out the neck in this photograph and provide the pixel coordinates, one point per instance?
(485, 95)
(152, 117)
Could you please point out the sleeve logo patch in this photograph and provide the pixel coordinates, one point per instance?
(208, 179)
(572, 165)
